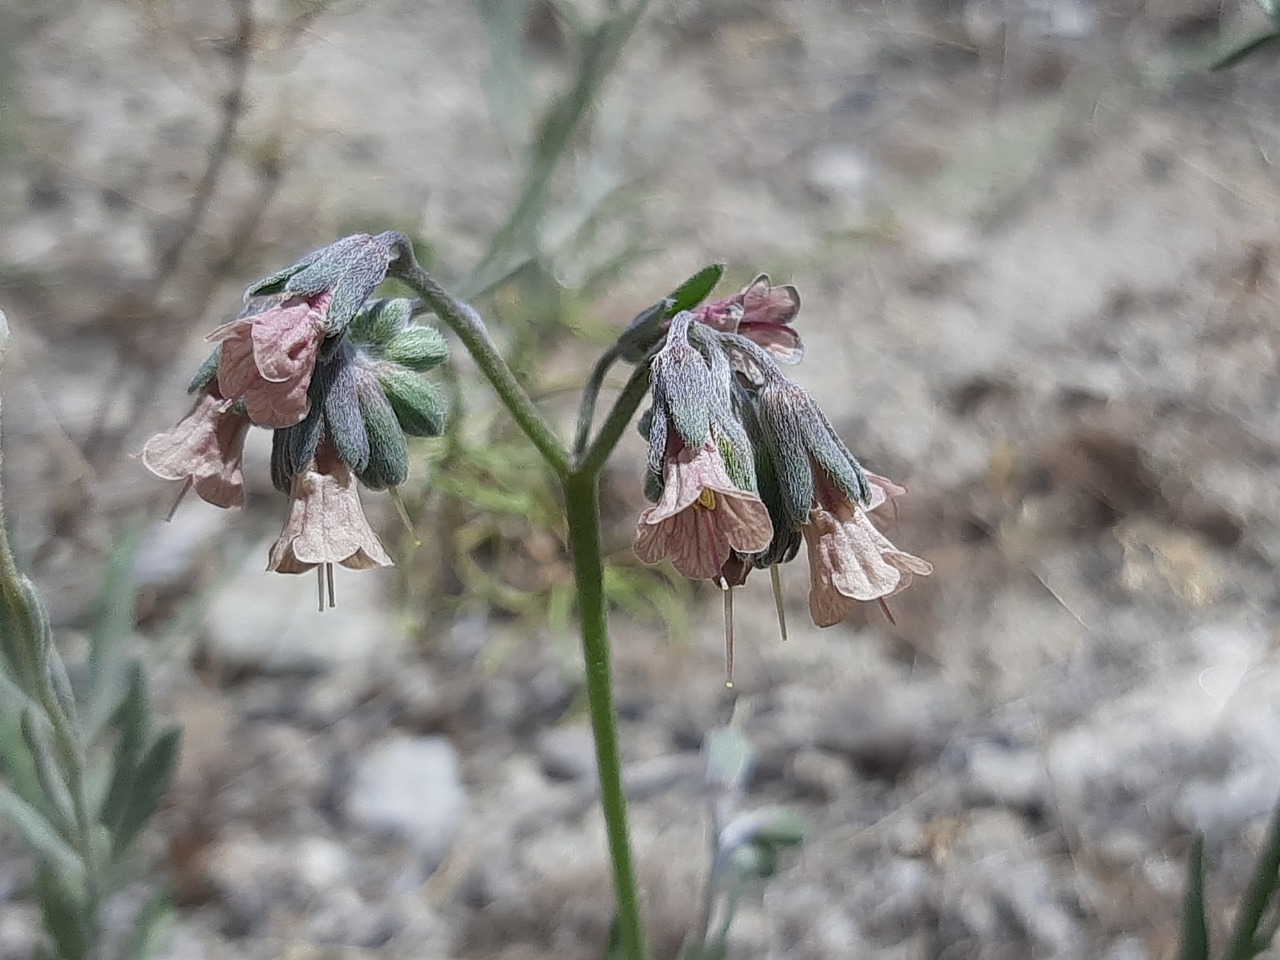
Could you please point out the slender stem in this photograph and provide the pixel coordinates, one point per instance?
(580, 489)
(590, 394)
(466, 323)
(615, 424)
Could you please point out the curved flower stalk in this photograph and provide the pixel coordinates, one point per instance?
(337, 376)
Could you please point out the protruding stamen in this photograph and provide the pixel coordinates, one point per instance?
(776, 580)
(728, 634)
(404, 514)
(320, 586)
(186, 487)
(328, 574)
(884, 608)
(707, 499)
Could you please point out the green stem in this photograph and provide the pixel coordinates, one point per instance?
(624, 408)
(590, 394)
(466, 323)
(580, 490)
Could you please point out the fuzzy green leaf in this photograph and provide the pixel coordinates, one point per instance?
(65, 910)
(149, 928)
(379, 320)
(418, 348)
(152, 780)
(694, 290)
(729, 757)
(388, 453)
(38, 832)
(56, 803)
(415, 401)
(1246, 50)
(132, 721)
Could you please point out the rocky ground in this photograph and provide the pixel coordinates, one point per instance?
(1035, 242)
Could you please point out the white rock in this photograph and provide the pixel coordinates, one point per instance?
(567, 753)
(410, 789)
(270, 621)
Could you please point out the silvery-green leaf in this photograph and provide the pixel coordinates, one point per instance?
(64, 906)
(379, 320)
(37, 831)
(388, 454)
(418, 348)
(155, 771)
(1195, 924)
(56, 805)
(342, 413)
(208, 370)
(132, 721)
(417, 405)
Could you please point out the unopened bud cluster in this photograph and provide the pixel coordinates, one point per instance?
(744, 466)
(338, 377)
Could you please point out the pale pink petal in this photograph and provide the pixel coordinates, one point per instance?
(883, 490)
(267, 361)
(697, 532)
(763, 303)
(237, 371)
(850, 560)
(745, 521)
(285, 342)
(206, 447)
(782, 342)
(326, 523)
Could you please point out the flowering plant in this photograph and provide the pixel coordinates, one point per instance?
(743, 466)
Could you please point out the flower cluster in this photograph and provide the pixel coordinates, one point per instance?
(744, 466)
(337, 376)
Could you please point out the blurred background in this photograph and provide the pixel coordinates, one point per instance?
(1036, 243)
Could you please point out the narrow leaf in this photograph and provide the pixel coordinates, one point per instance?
(1245, 51)
(150, 928)
(57, 798)
(1195, 926)
(66, 913)
(131, 722)
(696, 289)
(38, 832)
(154, 775)
(1262, 888)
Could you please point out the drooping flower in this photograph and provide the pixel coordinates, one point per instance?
(270, 353)
(850, 560)
(702, 517)
(205, 449)
(268, 359)
(815, 488)
(701, 473)
(326, 524)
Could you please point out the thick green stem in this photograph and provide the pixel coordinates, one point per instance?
(588, 571)
(466, 323)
